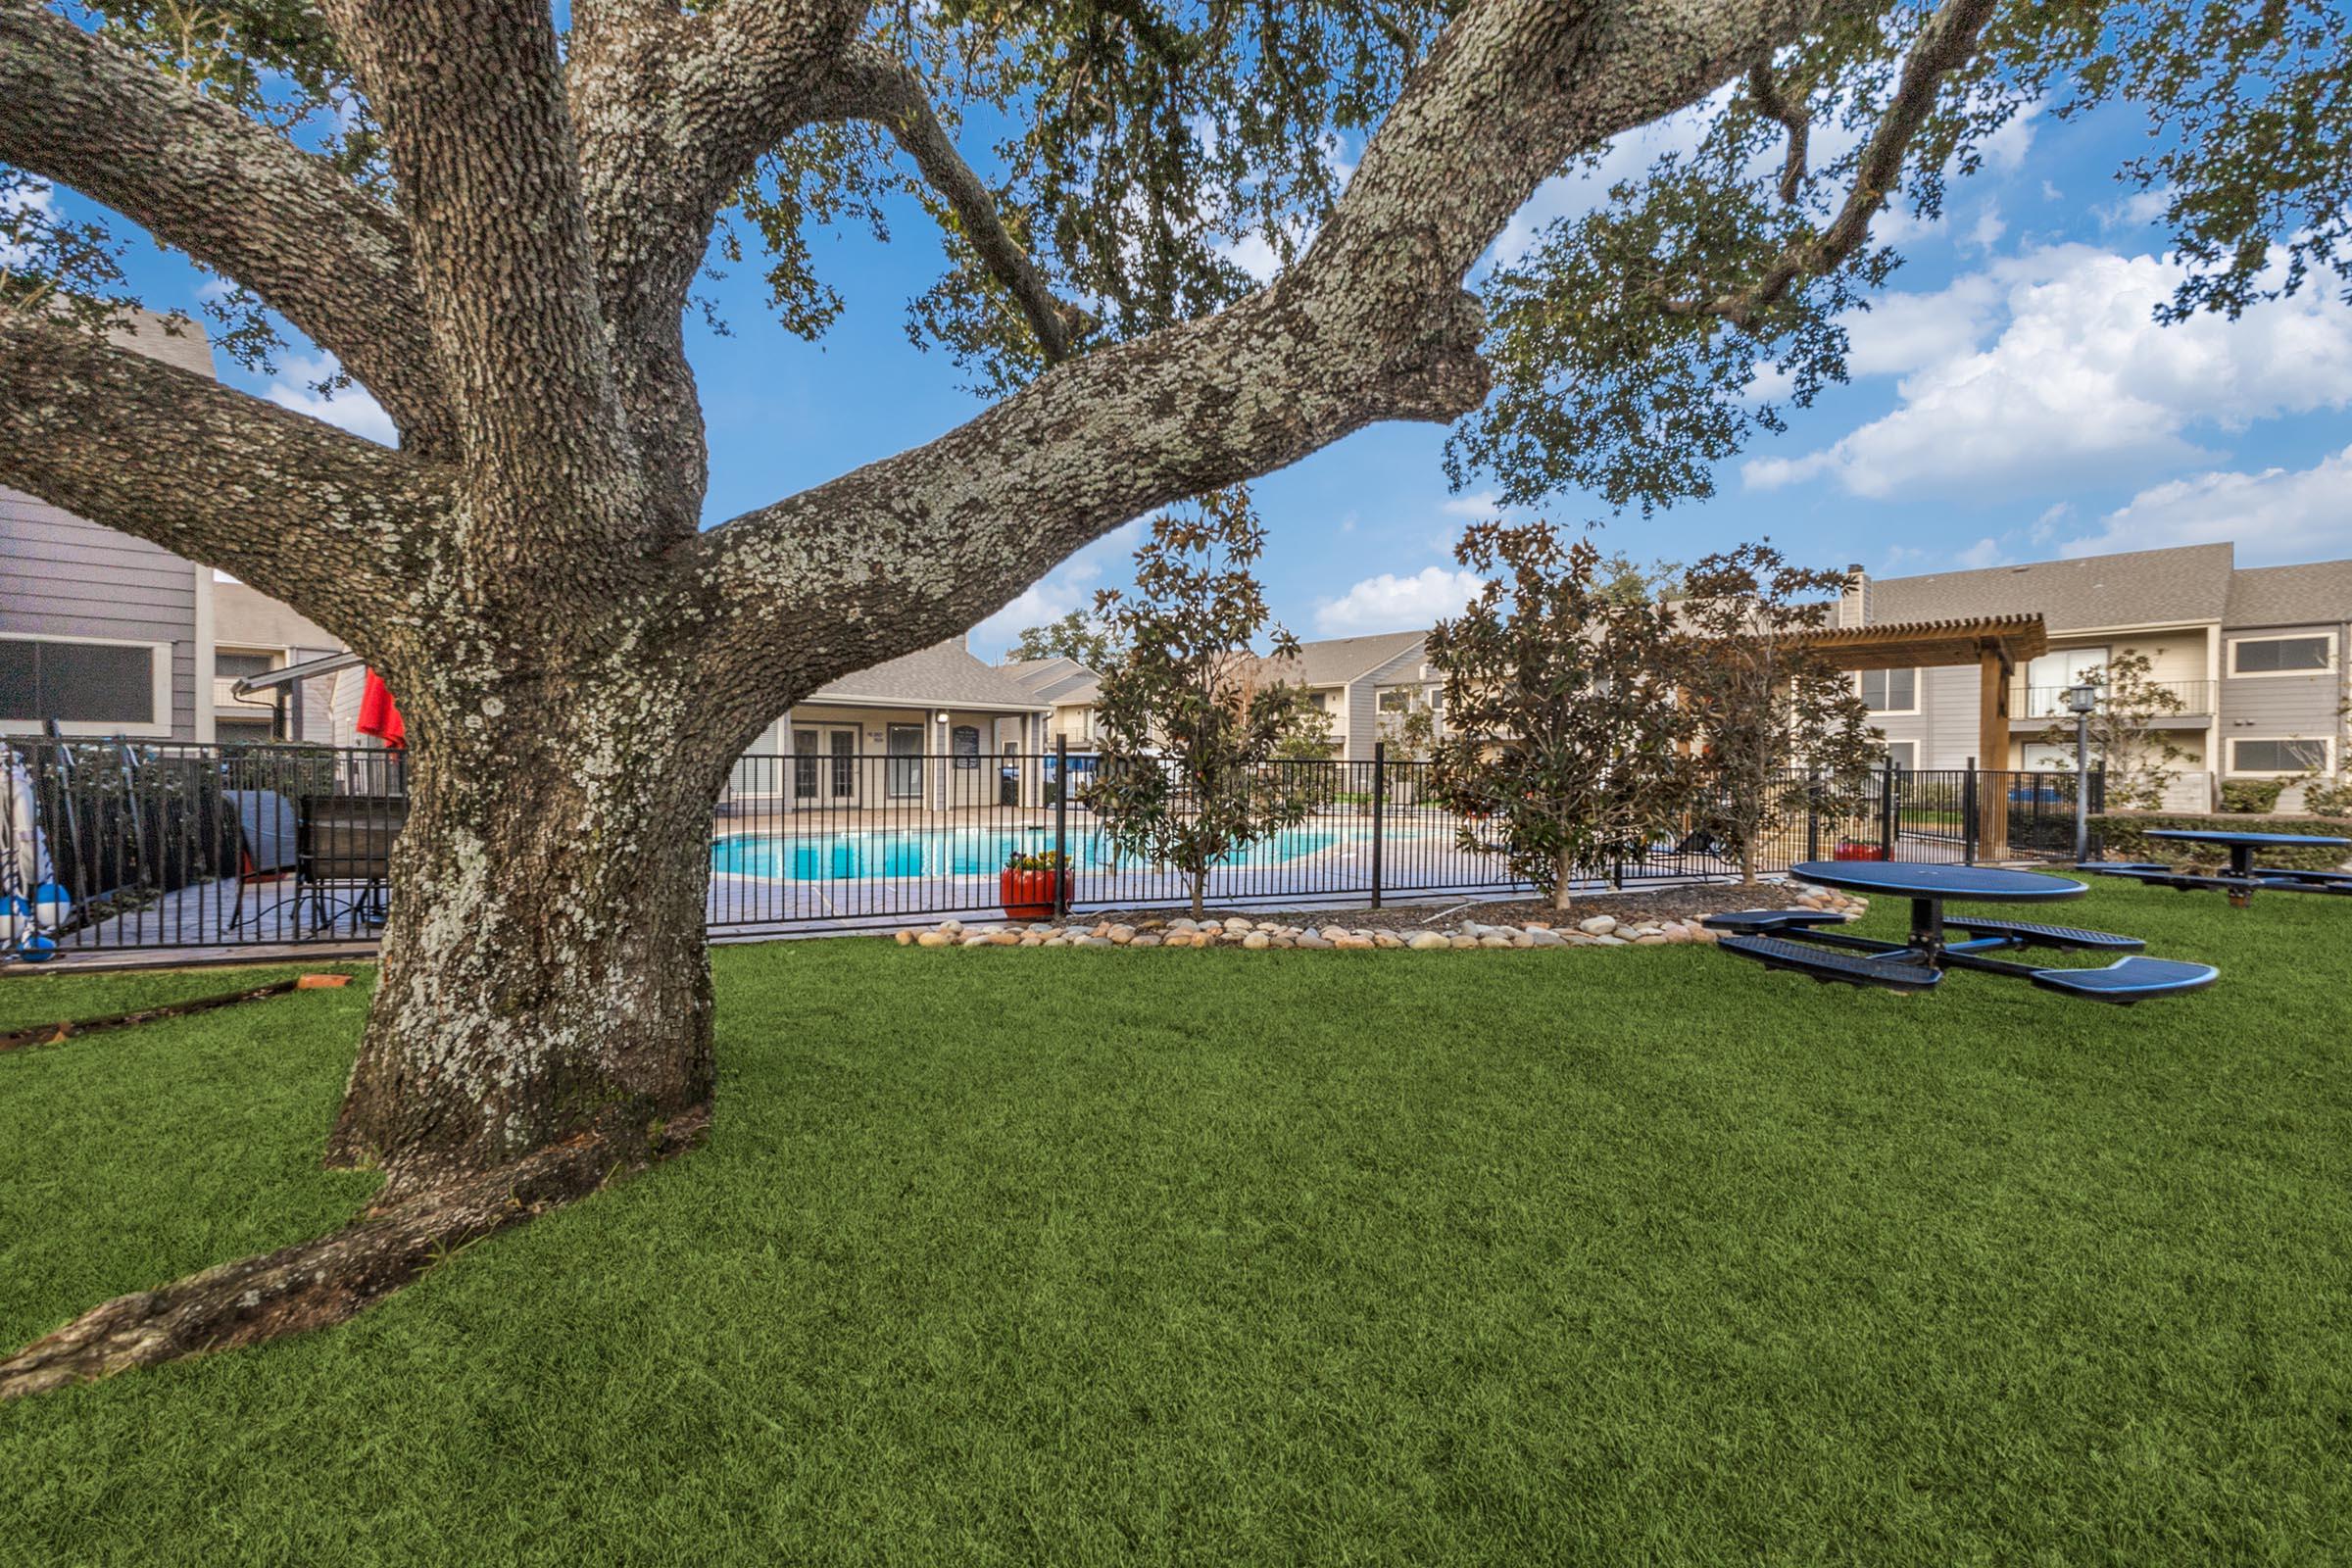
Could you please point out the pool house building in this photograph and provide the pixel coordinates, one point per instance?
(935, 730)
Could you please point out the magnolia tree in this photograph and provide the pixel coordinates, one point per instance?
(1565, 749)
(2126, 738)
(495, 227)
(1782, 732)
(1191, 737)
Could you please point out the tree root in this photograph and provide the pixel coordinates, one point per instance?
(314, 1284)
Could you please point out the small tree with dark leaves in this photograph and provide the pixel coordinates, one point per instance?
(1189, 731)
(1564, 748)
(1076, 635)
(2126, 736)
(1781, 730)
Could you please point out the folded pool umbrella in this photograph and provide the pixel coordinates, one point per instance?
(378, 714)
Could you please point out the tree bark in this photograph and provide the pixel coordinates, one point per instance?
(1563, 882)
(544, 970)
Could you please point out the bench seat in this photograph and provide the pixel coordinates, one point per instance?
(2130, 980)
(2164, 876)
(2316, 879)
(2066, 937)
(1829, 965)
(1748, 922)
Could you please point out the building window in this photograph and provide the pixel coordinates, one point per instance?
(91, 686)
(1902, 756)
(2288, 756)
(1890, 691)
(2282, 656)
(1396, 700)
(236, 663)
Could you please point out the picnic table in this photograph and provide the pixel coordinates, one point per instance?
(1797, 939)
(2243, 877)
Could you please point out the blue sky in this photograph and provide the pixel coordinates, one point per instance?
(2012, 401)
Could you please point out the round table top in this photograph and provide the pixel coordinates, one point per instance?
(2202, 835)
(1919, 880)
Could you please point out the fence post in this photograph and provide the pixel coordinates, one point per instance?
(1887, 833)
(1968, 815)
(1380, 798)
(1812, 814)
(1064, 874)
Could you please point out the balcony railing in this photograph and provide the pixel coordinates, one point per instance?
(2049, 702)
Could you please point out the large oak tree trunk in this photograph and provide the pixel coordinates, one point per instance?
(544, 971)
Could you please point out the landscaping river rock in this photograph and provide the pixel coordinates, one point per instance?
(1594, 931)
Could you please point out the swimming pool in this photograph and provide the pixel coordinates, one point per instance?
(952, 852)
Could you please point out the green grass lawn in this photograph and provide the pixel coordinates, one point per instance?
(1007, 1256)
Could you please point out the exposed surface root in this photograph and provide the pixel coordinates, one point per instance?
(50, 1034)
(314, 1284)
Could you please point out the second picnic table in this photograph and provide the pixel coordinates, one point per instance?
(2244, 876)
(1794, 939)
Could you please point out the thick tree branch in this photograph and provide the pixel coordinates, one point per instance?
(873, 86)
(472, 96)
(671, 113)
(1946, 44)
(1371, 325)
(298, 508)
(1795, 117)
(198, 175)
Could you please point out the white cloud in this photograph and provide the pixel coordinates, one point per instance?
(2006, 148)
(1904, 333)
(1474, 507)
(34, 196)
(1390, 603)
(1989, 228)
(2274, 515)
(1984, 553)
(2138, 210)
(2081, 379)
(1067, 587)
(350, 409)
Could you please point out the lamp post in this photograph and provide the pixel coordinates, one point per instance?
(2081, 699)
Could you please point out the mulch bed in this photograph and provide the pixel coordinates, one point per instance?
(1633, 908)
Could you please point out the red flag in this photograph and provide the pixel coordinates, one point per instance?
(378, 715)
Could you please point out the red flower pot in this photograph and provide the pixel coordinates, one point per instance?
(1031, 894)
(1858, 852)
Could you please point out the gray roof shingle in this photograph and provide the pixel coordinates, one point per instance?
(2316, 593)
(2139, 587)
(1050, 680)
(1335, 661)
(942, 675)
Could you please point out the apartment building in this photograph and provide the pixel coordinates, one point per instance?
(2253, 656)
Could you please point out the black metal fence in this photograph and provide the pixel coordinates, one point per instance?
(115, 845)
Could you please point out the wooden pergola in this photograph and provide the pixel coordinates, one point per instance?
(1995, 644)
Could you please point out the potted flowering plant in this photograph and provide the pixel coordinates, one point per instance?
(1033, 885)
(1851, 850)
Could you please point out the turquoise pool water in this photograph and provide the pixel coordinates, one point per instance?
(949, 853)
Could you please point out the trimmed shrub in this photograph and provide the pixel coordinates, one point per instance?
(2329, 797)
(2124, 835)
(2252, 795)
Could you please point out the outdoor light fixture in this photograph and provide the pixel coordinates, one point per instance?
(940, 717)
(2081, 698)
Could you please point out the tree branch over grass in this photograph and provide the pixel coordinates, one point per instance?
(231, 192)
(1945, 45)
(298, 508)
(874, 86)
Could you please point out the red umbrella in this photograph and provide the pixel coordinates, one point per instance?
(378, 715)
